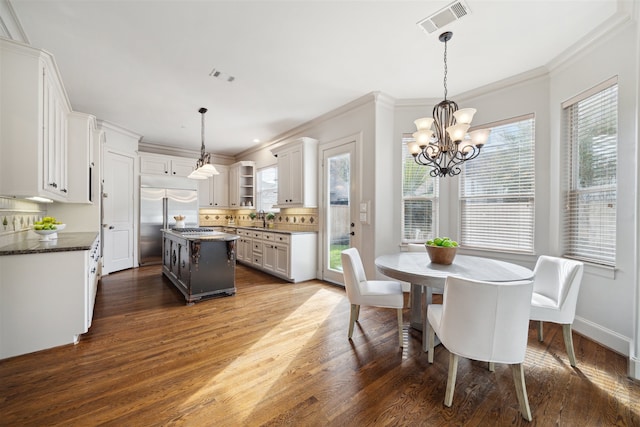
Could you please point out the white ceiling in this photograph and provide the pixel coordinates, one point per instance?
(145, 64)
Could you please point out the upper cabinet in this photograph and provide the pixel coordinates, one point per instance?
(241, 181)
(33, 124)
(82, 165)
(158, 164)
(214, 192)
(298, 173)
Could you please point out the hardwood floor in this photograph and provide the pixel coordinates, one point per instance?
(278, 354)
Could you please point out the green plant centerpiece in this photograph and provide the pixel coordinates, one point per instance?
(252, 215)
(441, 250)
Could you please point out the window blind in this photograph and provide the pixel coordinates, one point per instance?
(497, 190)
(419, 199)
(591, 126)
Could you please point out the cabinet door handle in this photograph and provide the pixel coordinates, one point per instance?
(353, 233)
(111, 227)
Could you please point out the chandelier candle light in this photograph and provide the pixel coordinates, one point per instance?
(204, 169)
(446, 151)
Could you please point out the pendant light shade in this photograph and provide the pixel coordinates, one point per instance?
(204, 169)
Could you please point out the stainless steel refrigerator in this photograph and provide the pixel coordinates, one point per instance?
(161, 199)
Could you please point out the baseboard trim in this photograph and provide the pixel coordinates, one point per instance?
(606, 337)
(634, 368)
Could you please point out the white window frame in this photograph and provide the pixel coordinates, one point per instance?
(260, 203)
(431, 229)
(590, 211)
(496, 195)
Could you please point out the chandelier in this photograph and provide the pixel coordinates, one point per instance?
(204, 169)
(449, 145)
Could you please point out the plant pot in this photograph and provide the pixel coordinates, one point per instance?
(441, 254)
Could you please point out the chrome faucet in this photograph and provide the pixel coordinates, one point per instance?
(262, 216)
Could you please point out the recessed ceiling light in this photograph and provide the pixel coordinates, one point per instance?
(221, 75)
(256, 140)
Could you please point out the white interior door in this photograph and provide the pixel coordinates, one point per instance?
(338, 204)
(118, 216)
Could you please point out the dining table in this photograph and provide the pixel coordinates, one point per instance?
(426, 277)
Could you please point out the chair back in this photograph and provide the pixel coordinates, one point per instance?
(353, 272)
(415, 247)
(486, 321)
(559, 280)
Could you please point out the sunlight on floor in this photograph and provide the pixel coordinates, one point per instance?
(243, 389)
(607, 382)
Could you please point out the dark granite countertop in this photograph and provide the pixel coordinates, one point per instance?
(64, 243)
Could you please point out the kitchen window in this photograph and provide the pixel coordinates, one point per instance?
(497, 190)
(591, 132)
(419, 199)
(267, 189)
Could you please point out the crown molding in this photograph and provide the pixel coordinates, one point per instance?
(599, 35)
(10, 25)
(103, 124)
(368, 99)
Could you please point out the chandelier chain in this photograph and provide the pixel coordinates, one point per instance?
(445, 70)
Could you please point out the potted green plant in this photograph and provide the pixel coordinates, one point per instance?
(252, 215)
(270, 217)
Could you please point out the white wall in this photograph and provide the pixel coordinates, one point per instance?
(607, 305)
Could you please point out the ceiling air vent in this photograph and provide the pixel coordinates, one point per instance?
(444, 16)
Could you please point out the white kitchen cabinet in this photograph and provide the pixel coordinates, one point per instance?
(298, 173)
(244, 246)
(290, 256)
(33, 124)
(81, 130)
(214, 192)
(157, 164)
(276, 253)
(56, 292)
(241, 185)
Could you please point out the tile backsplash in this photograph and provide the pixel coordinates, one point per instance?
(17, 217)
(291, 219)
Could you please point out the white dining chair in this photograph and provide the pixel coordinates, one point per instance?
(485, 321)
(374, 293)
(555, 294)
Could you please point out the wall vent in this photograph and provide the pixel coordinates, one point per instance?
(452, 12)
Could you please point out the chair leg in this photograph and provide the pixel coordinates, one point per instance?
(568, 343)
(353, 317)
(540, 337)
(451, 380)
(400, 337)
(432, 341)
(521, 391)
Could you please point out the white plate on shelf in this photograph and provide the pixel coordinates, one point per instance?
(48, 235)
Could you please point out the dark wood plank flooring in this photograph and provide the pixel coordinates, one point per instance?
(277, 354)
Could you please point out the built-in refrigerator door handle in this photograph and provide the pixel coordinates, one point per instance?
(165, 212)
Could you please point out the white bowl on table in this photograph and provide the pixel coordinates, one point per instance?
(48, 235)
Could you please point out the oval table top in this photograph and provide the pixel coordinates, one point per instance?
(416, 268)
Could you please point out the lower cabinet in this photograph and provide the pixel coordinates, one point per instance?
(291, 256)
(47, 299)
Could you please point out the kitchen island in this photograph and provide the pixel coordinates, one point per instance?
(199, 262)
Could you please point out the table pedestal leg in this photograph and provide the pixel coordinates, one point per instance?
(427, 298)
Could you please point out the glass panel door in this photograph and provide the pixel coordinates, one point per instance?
(338, 190)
